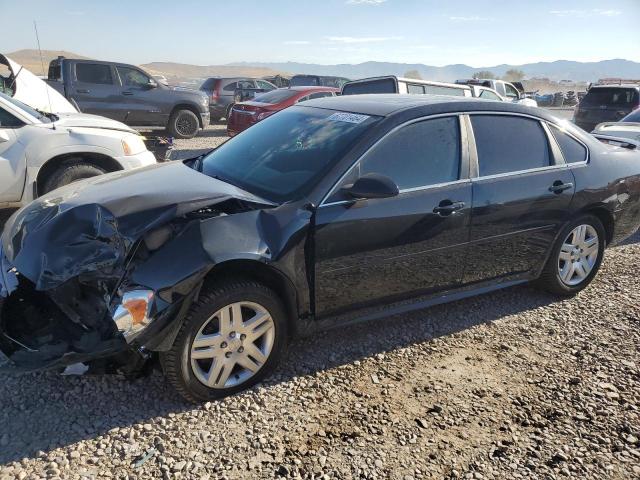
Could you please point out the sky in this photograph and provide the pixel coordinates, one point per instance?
(476, 33)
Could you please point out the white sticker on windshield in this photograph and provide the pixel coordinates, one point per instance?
(348, 117)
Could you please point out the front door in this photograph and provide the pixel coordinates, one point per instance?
(383, 250)
(140, 97)
(521, 198)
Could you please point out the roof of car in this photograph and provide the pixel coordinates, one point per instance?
(615, 85)
(305, 88)
(387, 104)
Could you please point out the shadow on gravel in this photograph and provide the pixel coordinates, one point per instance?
(41, 412)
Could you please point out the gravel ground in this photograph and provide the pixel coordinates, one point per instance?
(514, 384)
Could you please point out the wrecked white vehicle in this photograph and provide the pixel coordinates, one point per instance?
(41, 152)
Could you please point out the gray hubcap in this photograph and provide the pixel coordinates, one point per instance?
(232, 345)
(578, 255)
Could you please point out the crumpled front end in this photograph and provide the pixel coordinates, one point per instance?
(73, 287)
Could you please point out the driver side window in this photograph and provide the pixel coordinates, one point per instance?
(512, 93)
(417, 155)
(133, 78)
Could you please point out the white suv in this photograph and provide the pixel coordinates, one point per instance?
(40, 152)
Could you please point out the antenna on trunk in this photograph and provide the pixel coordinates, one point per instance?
(35, 26)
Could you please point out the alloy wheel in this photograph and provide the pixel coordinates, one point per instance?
(232, 345)
(578, 255)
(185, 125)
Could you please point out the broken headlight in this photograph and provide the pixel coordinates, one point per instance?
(133, 314)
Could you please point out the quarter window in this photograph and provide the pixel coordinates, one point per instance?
(94, 73)
(572, 150)
(9, 121)
(420, 154)
(509, 144)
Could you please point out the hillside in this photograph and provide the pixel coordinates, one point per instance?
(30, 59)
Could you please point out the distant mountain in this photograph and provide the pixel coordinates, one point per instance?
(558, 70)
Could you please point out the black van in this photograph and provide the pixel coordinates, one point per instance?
(606, 103)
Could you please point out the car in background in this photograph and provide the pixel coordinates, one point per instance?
(625, 133)
(128, 94)
(317, 81)
(508, 91)
(393, 84)
(222, 93)
(606, 103)
(486, 93)
(279, 81)
(41, 152)
(332, 211)
(245, 114)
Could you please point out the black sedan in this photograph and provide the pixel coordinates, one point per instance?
(343, 209)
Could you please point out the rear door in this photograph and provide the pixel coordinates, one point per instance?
(96, 90)
(12, 158)
(521, 195)
(381, 250)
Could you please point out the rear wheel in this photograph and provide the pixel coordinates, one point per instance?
(183, 124)
(576, 257)
(70, 171)
(231, 339)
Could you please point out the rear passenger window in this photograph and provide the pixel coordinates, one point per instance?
(94, 73)
(230, 87)
(420, 154)
(509, 144)
(415, 89)
(572, 150)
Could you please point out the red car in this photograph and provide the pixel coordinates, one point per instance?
(245, 114)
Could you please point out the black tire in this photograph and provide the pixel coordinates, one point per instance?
(176, 363)
(183, 124)
(550, 279)
(70, 171)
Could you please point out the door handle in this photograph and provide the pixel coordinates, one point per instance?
(559, 187)
(447, 207)
(126, 92)
(82, 90)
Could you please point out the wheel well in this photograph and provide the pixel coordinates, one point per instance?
(104, 162)
(186, 106)
(259, 272)
(605, 217)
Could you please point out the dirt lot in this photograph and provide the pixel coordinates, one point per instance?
(514, 384)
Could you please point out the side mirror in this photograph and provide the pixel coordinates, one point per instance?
(372, 185)
(152, 84)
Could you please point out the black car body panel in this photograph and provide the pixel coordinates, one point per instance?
(171, 229)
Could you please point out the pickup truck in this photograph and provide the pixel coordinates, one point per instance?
(129, 95)
(504, 89)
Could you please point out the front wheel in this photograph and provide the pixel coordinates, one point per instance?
(232, 338)
(575, 258)
(70, 171)
(183, 124)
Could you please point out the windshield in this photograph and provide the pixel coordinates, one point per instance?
(632, 117)
(23, 106)
(614, 97)
(284, 156)
(276, 96)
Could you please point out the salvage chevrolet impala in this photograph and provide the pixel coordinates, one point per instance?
(339, 210)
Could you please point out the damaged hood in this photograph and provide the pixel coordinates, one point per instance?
(34, 91)
(85, 120)
(92, 225)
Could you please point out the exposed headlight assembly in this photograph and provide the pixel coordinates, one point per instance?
(132, 315)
